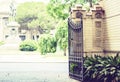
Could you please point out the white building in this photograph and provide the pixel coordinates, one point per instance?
(4, 15)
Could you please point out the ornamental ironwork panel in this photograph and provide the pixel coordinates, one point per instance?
(75, 46)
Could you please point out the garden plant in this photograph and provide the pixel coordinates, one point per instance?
(102, 68)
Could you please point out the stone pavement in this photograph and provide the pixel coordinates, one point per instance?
(31, 58)
(34, 72)
(17, 66)
(11, 53)
(33, 77)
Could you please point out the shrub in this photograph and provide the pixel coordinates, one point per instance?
(62, 36)
(47, 44)
(28, 45)
(102, 69)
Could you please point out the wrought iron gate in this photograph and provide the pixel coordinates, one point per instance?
(75, 46)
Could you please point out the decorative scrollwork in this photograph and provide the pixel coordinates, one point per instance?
(74, 26)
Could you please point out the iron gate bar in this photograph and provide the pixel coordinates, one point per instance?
(75, 46)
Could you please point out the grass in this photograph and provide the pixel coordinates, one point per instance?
(1, 43)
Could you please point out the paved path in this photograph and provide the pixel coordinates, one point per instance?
(34, 72)
(17, 66)
(29, 70)
(30, 58)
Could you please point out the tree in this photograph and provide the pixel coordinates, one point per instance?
(91, 2)
(47, 44)
(62, 36)
(60, 9)
(32, 15)
(25, 13)
(33, 25)
(12, 7)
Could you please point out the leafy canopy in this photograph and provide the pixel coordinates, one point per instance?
(34, 15)
(62, 34)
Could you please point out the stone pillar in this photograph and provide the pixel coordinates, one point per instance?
(13, 33)
(93, 31)
(98, 27)
(92, 28)
(85, 37)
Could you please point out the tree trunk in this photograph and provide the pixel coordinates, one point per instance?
(31, 34)
(35, 35)
(65, 52)
(90, 1)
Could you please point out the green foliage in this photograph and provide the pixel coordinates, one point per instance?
(1, 42)
(102, 69)
(28, 45)
(33, 24)
(72, 67)
(34, 15)
(60, 9)
(26, 12)
(47, 44)
(62, 35)
(92, 1)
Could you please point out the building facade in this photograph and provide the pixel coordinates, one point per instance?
(7, 28)
(112, 26)
(100, 28)
(3, 24)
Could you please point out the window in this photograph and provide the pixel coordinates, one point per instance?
(6, 36)
(98, 42)
(37, 36)
(5, 19)
(13, 31)
(78, 15)
(98, 15)
(98, 24)
(23, 37)
(98, 33)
